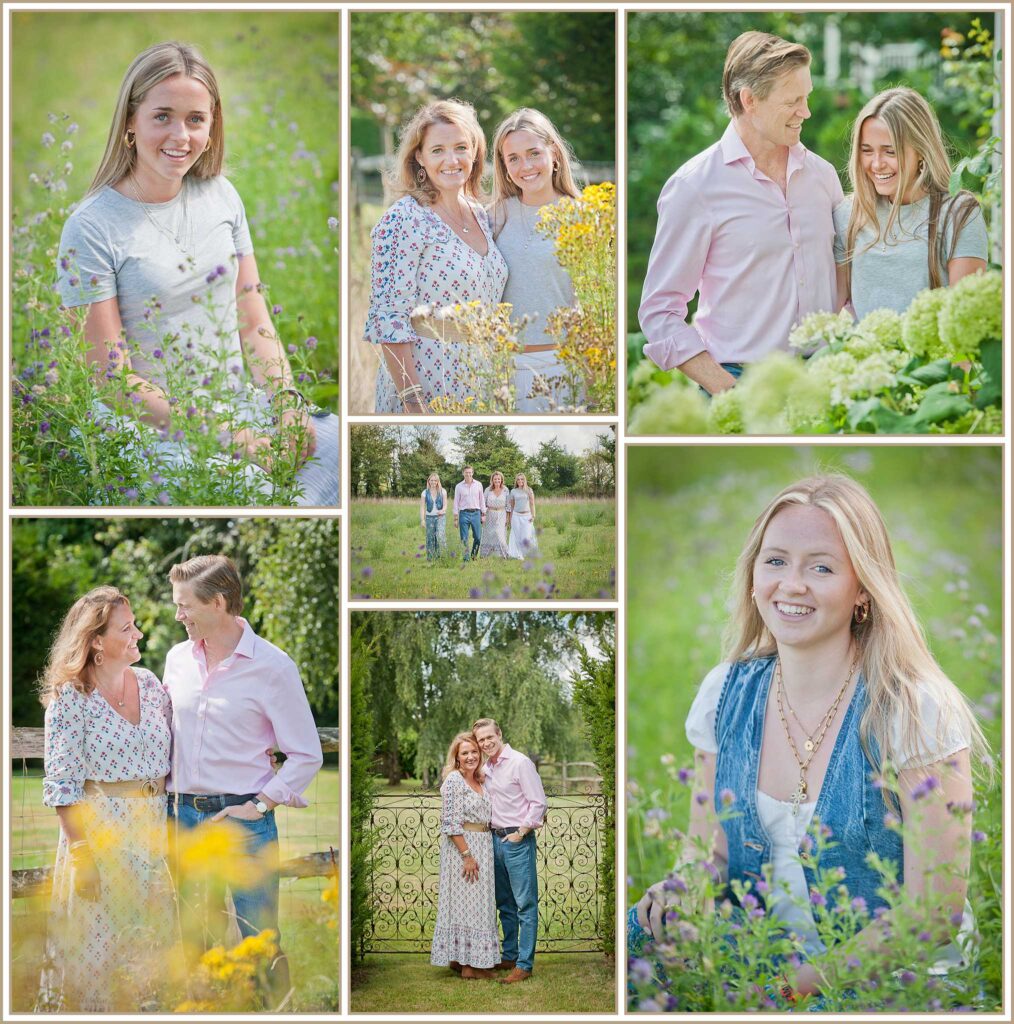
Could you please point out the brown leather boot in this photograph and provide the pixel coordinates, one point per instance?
(477, 973)
(505, 965)
(518, 974)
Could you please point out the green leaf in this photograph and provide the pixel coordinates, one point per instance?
(860, 411)
(932, 373)
(992, 364)
(939, 404)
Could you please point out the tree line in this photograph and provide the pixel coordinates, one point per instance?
(395, 461)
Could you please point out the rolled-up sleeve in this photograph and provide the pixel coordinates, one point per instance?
(531, 788)
(64, 779)
(452, 809)
(296, 736)
(398, 242)
(675, 268)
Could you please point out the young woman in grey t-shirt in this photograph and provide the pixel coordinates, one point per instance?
(159, 258)
(900, 230)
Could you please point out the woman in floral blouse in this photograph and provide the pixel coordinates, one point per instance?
(433, 247)
(107, 754)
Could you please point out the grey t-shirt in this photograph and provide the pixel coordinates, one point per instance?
(889, 277)
(111, 246)
(536, 283)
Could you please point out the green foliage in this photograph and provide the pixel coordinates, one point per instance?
(595, 699)
(361, 792)
(558, 470)
(497, 61)
(489, 447)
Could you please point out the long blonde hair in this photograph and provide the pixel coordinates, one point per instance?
(912, 125)
(503, 481)
(154, 65)
(894, 658)
(451, 761)
(409, 178)
(527, 489)
(71, 658)
(528, 120)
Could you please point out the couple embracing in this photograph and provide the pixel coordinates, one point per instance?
(124, 750)
(760, 227)
(492, 803)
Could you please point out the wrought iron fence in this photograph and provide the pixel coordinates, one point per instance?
(406, 874)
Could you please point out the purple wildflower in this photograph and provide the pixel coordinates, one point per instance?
(854, 962)
(925, 936)
(48, 139)
(366, 572)
(163, 498)
(44, 427)
(311, 342)
(859, 905)
(674, 884)
(817, 899)
(701, 798)
(685, 775)
(548, 568)
(332, 223)
(276, 309)
(63, 454)
(906, 977)
(930, 783)
(131, 493)
(978, 837)
(475, 592)
(727, 798)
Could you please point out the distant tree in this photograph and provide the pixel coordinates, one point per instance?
(558, 469)
(421, 456)
(371, 451)
(598, 467)
(488, 447)
(360, 737)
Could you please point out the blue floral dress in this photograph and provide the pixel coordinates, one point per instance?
(103, 952)
(419, 261)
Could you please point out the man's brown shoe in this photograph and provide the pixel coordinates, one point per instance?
(455, 966)
(518, 974)
(505, 965)
(477, 973)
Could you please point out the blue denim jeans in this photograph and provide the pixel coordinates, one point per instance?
(470, 519)
(517, 898)
(434, 528)
(736, 369)
(257, 906)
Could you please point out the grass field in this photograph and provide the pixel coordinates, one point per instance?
(560, 983)
(689, 513)
(577, 551)
(311, 948)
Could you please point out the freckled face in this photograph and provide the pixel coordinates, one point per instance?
(118, 643)
(171, 128)
(805, 586)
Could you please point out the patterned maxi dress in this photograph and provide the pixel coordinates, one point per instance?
(466, 929)
(110, 953)
(494, 533)
(419, 261)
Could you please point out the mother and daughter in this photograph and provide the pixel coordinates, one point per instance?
(438, 245)
(758, 225)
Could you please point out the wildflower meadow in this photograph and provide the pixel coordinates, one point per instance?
(75, 436)
(942, 508)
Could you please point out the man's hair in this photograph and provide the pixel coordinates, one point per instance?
(210, 575)
(755, 61)
(481, 723)
(463, 468)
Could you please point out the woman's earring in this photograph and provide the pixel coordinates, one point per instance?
(420, 175)
(753, 594)
(922, 166)
(128, 138)
(99, 658)
(861, 614)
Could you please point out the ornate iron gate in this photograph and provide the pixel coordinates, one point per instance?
(406, 874)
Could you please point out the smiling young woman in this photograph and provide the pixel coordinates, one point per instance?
(159, 260)
(827, 687)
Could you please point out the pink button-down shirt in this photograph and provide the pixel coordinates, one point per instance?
(468, 496)
(515, 790)
(761, 259)
(225, 720)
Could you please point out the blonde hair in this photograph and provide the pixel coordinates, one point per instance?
(528, 120)
(71, 657)
(451, 761)
(405, 180)
(503, 479)
(481, 723)
(210, 575)
(527, 488)
(434, 476)
(154, 65)
(755, 61)
(912, 125)
(893, 655)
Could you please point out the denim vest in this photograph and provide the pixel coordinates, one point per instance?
(848, 803)
(430, 503)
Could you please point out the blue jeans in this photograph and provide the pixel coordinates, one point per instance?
(257, 906)
(517, 898)
(736, 369)
(469, 519)
(434, 528)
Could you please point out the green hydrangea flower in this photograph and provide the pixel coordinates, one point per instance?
(671, 410)
(831, 374)
(820, 329)
(880, 329)
(765, 388)
(725, 412)
(971, 313)
(920, 327)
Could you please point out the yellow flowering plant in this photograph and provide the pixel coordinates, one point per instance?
(233, 979)
(583, 230)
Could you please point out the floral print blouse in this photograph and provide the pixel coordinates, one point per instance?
(87, 739)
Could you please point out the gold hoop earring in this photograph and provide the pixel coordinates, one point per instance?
(128, 138)
(861, 614)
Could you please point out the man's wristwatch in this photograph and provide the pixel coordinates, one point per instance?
(262, 807)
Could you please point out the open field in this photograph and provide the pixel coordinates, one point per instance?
(577, 549)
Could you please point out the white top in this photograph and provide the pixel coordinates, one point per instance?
(790, 895)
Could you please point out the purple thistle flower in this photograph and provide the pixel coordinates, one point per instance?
(727, 798)
(191, 412)
(956, 918)
(640, 969)
(366, 572)
(978, 837)
(859, 905)
(131, 493)
(276, 309)
(292, 349)
(854, 962)
(817, 899)
(906, 977)
(925, 936)
(74, 280)
(178, 435)
(685, 775)
(701, 798)
(157, 354)
(548, 568)
(63, 454)
(674, 883)
(163, 498)
(749, 901)
(44, 427)
(475, 592)
(311, 342)
(930, 783)
(762, 887)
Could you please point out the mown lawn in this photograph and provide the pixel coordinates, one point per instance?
(576, 559)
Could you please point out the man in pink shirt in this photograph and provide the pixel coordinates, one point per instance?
(469, 511)
(747, 224)
(236, 697)
(518, 808)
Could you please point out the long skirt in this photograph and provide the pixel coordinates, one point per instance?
(522, 543)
